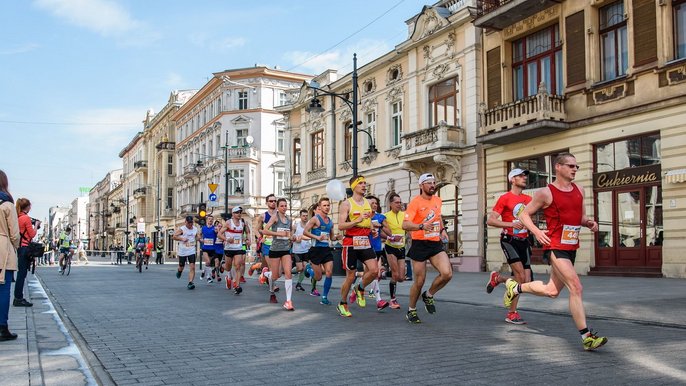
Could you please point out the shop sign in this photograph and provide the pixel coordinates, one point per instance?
(627, 177)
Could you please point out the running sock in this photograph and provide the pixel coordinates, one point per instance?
(208, 272)
(301, 276)
(391, 288)
(289, 289)
(375, 288)
(428, 294)
(360, 288)
(411, 308)
(268, 275)
(327, 286)
(584, 333)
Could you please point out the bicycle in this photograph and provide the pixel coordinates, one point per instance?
(66, 263)
(139, 261)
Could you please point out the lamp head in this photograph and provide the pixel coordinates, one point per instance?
(315, 106)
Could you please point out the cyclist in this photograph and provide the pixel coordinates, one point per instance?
(139, 243)
(64, 243)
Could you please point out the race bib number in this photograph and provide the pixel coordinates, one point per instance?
(325, 237)
(433, 230)
(283, 230)
(208, 242)
(234, 239)
(570, 234)
(361, 242)
(396, 240)
(189, 244)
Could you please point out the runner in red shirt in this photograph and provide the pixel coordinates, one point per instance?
(423, 219)
(514, 239)
(563, 207)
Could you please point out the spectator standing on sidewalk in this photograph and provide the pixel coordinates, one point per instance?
(27, 231)
(563, 207)
(9, 242)
(81, 252)
(514, 239)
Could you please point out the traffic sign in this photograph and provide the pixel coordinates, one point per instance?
(212, 197)
(212, 187)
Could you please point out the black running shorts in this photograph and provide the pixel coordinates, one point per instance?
(423, 250)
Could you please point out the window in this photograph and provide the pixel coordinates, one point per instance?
(242, 100)
(219, 105)
(541, 169)
(297, 154)
(370, 126)
(613, 41)
(679, 9)
(628, 153)
(348, 141)
(283, 98)
(537, 58)
(236, 181)
(170, 164)
(280, 179)
(170, 198)
(396, 122)
(241, 134)
(280, 137)
(219, 144)
(317, 140)
(443, 102)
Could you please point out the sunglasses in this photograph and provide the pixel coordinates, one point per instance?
(271, 201)
(573, 166)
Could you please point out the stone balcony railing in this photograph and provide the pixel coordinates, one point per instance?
(436, 137)
(316, 174)
(189, 171)
(167, 213)
(249, 153)
(188, 209)
(139, 192)
(542, 106)
(140, 165)
(166, 145)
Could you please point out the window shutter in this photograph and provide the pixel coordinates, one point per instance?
(575, 48)
(645, 32)
(493, 77)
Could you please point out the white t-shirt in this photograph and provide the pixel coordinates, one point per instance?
(187, 247)
(304, 245)
(234, 236)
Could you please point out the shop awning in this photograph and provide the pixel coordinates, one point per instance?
(674, 176)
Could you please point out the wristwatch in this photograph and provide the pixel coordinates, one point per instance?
(421, 226)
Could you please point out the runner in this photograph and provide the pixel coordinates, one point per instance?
(423, 219)
(320, 229)
(187, 235)
(279, 226)
(395, 245)
(375, 237)
(563, 207)
(301, 248)
(354, 219)
(217, 262)
(234, 234)
(266, 241)
(514, 238)
(209, 236)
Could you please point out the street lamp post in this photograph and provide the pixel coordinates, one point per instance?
(125, 202)
(316, 107)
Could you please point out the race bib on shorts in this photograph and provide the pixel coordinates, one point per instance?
(208, 242)
(570, 234)
(396, 240)
(361, 242)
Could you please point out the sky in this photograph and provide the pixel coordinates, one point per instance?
(77, 76)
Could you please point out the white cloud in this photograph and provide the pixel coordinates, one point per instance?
(20, 50)
(104, 17)
(228, 43)
(339, 59)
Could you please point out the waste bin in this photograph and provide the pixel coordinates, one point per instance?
(338, 269)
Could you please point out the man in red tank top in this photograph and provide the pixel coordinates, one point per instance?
(563, 207)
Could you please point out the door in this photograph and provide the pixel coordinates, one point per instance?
(630, 227)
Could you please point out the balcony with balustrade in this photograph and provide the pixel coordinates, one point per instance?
(140, 166)
(527, 118)
(139, 193)
(243, 153)
(188, 210)
(499, 14)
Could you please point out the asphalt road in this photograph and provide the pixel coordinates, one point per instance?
(149, 329)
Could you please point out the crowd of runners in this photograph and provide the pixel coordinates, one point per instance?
(374, 247)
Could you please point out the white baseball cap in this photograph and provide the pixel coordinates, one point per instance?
(516, 172)
(236, 209)
(426, 177)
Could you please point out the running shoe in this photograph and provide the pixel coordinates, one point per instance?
(254, 268)
(209, 280)
(593, 341)
(276, 288)
(242, 280)
(221, 267)
(202, 274)
(299, 287)
(238, 290)
(190, 285)
(381, 304)
(228, 283)
(510, 286)
(514, 318)
(428, 303)
(353, 297)
(178, 274)
(394, 304)
(272, 298)
(314, 292)
(492, 282)
(343, 310)
(219, 279)
(361, 301)
(325, 301)
(288, 305)
(263, 279)
(412, 317)
(371, 294)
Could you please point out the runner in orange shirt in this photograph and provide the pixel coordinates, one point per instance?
(423, 219)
